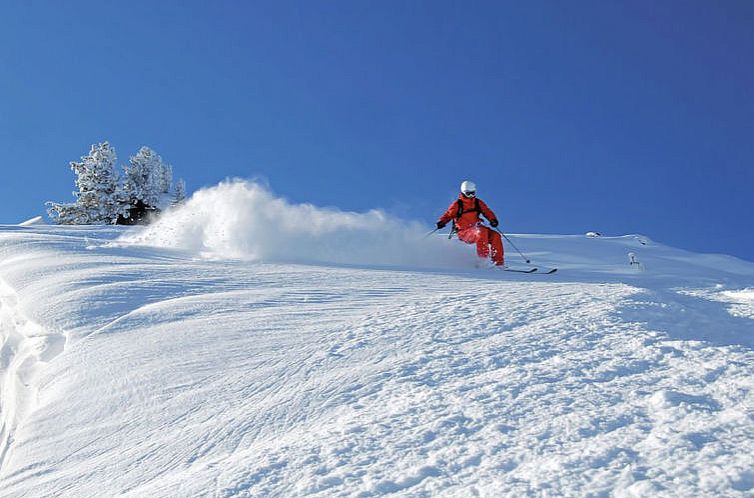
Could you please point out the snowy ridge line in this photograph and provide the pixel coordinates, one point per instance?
(24, 345)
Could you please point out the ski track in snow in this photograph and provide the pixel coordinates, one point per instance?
(145, 372)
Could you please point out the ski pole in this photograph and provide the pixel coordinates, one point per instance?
(513, 245)
(430, 233)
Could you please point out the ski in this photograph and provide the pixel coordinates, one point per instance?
(521, 270)
(543, 271)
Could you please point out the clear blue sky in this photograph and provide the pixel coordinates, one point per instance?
(620, 117)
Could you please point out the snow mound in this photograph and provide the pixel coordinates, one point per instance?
(37, 220)
(244, 220)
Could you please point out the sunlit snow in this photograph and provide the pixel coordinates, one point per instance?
(245, 345)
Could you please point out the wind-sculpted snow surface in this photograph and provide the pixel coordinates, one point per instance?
(245, 220)
(145, 371)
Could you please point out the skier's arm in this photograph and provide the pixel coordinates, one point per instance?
(449, 215)
(487, 212)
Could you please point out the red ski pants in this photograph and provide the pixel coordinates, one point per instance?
(485, 238)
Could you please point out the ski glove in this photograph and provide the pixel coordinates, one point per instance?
(440, 225)
(494, 223)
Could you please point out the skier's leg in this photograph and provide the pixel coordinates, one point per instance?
(468, 235)
(498, 253)
(475, 235)
(483, 242)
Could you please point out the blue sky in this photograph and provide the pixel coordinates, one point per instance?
(620, 117)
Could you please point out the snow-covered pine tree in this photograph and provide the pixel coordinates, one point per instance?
(166, 177)
(142, 179)
(99, 199)
(179, 195)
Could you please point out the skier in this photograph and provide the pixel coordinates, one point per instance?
(464, 212)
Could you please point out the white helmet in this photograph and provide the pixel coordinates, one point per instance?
(468, 188)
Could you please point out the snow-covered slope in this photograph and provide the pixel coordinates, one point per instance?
(155, 370)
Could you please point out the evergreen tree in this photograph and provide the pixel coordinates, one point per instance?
(179, 195)
(142, 183)
(99, 199)
(166, 177)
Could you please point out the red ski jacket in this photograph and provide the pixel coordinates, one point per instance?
(465, 211)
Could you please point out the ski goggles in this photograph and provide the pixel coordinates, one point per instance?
(469, 194)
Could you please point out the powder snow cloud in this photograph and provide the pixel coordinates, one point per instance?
(244, 220)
